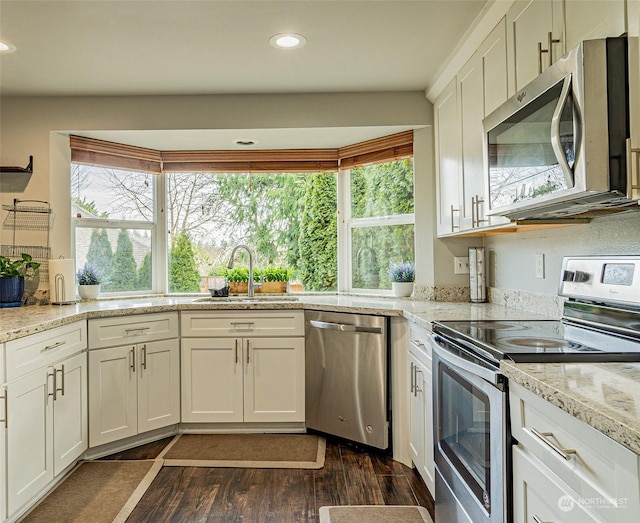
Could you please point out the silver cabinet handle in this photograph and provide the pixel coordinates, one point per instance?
(247, 352)
(550, 41)
(633, 167)
(237, 360)
(247, 323)
(6, 409)
(416, 389)
(454, 226)
(61, 371)
(136, 329)
(544, 438)
(536, 519)
(345, 327)
(52, 375)
(54, 346)
(132, 359)
(412, 378)
(144, 356)
(476, 201)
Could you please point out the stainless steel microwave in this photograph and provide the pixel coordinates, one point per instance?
(558, 148)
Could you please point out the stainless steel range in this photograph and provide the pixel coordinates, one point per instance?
(601, 322)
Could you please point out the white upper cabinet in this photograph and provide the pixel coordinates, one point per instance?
(593, 19)
(532, 44)
(447, 142)
(541, 31)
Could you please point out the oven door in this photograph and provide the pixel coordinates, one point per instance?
(471, 437)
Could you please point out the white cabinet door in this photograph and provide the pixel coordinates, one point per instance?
(70, 424)
(417, 413)
(421, 421)
(592, 19)
(274, 384)
(447, 143)
(212, 372)
(471, 108)
(29, 437)
(529, 23)
(493, 53)
(113, 403)
(539, 496)
(158, 384)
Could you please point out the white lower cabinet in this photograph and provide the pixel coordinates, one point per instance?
(231, 378)
(421, 406)
(46, 426)
(134, 389)
(565, 470)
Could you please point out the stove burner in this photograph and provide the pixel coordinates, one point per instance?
(542, 343)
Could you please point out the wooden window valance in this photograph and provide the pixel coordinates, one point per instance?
(108, 154)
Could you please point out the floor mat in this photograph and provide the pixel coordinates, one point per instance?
(96, 491)
(375, 514)
(301, 451)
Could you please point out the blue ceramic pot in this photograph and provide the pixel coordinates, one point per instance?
(11, 291)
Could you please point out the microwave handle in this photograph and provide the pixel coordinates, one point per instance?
(556, 145)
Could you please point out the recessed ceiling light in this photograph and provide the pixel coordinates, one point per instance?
(6, 47)
(244, 142)
(287, 41)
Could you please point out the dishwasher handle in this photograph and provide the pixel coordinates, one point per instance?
(345, 327)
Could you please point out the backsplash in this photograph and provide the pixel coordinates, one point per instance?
(527, 301)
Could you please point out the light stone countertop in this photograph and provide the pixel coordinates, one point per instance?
(23, 321)
(603, 395)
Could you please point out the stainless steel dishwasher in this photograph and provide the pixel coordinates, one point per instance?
(346, 376)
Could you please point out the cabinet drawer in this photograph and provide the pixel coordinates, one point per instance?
(537, 494)
(599, 468)
(140, 328)
(420, 344)
(242, 323)
(39, 350)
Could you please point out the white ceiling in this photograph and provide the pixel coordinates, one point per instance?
(194, 47)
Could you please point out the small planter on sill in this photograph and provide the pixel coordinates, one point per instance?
(273, 287)
(89, 292)
(238, 287)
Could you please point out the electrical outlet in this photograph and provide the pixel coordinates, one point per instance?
(461, 265)
(540, 266)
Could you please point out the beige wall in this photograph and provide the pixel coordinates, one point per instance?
(39, 126)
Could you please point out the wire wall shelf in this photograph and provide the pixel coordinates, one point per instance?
(29, 215)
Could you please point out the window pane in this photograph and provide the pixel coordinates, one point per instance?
(122, 256)
(384, 189)
(288, 221)
(374, 248)
(101, 192)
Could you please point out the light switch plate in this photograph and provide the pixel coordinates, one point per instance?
(461, 265)
(540, 266)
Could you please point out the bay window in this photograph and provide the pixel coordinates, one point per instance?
(165, 221)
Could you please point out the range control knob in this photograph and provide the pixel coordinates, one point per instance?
(581, 277)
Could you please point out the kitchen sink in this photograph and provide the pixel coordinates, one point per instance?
(241, 299)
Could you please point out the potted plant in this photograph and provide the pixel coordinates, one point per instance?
(89, 280)
(12, 276)
(238, 279)
(402, 276)
(274, 279)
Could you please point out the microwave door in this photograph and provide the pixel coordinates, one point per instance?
(564, 143)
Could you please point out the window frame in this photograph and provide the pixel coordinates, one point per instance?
(341, 161)
(155, 226)
(345, 233)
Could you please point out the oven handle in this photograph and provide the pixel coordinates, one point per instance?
(493, 377)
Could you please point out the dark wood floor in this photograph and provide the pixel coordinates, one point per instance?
(351, 476)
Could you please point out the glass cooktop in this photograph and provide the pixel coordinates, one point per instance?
(539, 340)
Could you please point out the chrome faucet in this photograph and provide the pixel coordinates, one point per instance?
(252, 284)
